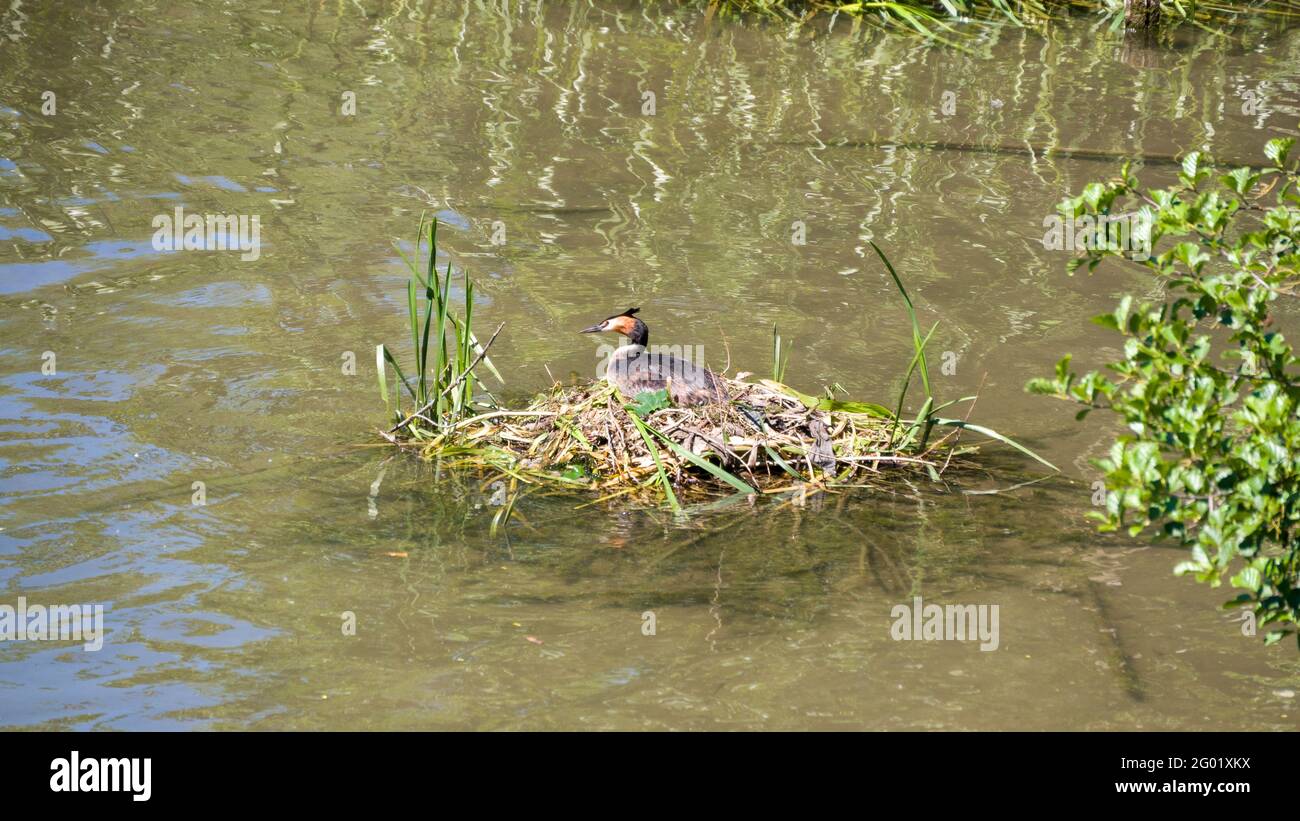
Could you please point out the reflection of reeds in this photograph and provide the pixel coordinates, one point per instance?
(767, 437)
(935, 20)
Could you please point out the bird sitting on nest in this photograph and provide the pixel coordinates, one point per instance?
(635, 368)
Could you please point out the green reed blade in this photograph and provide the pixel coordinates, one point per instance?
(992, 434)
(414, 319)
(919, 356)
(911, 312)
(383, 374)
(466, 349)
(717, 471)
(776, 457)
(780, 355)
(444, 362)
(400, 376)
(659, 465)
(422, 350)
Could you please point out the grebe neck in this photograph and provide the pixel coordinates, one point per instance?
(640, 335)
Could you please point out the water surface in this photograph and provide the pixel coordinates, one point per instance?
(533, 123)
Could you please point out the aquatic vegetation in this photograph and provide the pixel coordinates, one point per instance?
(1209, 459)
(768, 437)
(937, 20)
(443, 389)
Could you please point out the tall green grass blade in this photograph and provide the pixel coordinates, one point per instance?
(704, 464)
(463, 348)
(776, 457)
(440, 363)
(827, 404)
(926, 419)
(949, 404)
(413, 312)
(383, 375)
(444, 309)
(911, 312)
(401, 377)
(852, 406)
(918, 356)
(422, 351)
(776, 354)
(659, 465)
(780, 355)
(992, 434)
(1001, 5)
(415, 272)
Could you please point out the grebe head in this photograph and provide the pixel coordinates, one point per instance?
(626, 324)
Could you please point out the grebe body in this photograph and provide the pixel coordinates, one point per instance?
(636, 368)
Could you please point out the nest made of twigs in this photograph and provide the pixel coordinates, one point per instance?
(764, 438)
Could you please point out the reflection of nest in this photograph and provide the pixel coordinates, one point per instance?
(766, 436)
(1137, 51)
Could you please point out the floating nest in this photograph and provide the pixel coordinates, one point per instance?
(767, 438)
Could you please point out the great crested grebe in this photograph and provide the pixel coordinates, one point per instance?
(635, 367)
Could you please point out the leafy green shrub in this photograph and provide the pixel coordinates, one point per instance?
(1207, 386)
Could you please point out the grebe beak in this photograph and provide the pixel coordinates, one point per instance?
(594, 329)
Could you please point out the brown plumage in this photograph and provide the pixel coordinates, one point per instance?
(636, 367)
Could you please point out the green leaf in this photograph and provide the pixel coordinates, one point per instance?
(1278, 149)
(1041, 386)
(647, 402)
(1206, 398)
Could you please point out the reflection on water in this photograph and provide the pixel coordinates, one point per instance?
(187, 377)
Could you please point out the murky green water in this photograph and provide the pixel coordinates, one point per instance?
(533, 122)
